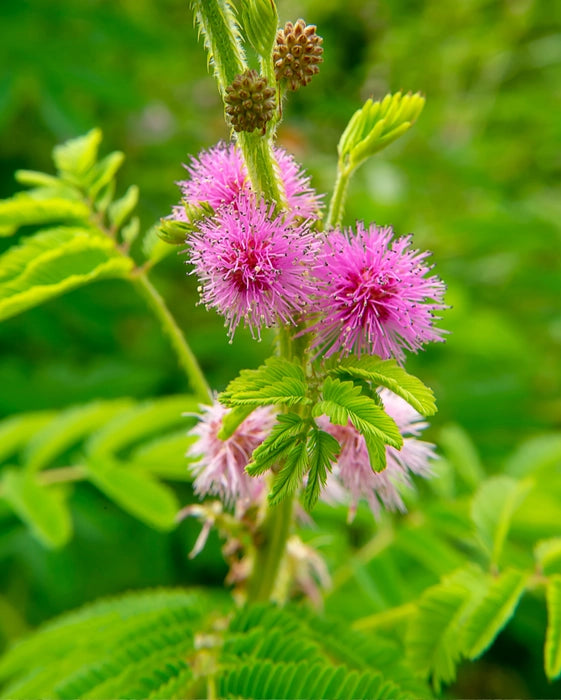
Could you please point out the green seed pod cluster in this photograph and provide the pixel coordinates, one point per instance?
(250, 102)
(297, 53)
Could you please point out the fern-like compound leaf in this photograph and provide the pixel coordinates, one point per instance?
(277, 382)
(387, 373)
(53, 262)
(493, 612)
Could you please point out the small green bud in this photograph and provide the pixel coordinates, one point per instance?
(377, 124)
(259, 20)
(297, 54)
(176, 232)
(250, 102)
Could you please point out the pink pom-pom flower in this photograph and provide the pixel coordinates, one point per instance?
(253, 265)
(374, 295)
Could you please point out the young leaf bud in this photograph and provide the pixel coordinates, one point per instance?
(250, 102)
(297, 54)
(259, 20)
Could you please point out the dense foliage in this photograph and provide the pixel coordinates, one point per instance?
(91, 481)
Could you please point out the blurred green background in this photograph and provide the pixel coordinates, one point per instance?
(476, 180)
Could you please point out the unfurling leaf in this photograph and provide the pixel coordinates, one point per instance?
(377, 124)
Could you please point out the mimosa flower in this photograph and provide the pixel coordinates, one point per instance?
(253, 265)
(220, 466)
(374, 295)
(219, 176)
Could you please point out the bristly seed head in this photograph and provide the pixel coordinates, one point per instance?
(250, 102)
(297, 53)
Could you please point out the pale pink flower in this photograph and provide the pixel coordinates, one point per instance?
(220, 467)
(374, 295)
(253, 265)
(219, 176)
(353, 472)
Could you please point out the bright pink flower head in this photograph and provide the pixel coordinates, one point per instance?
(220, 469)
(219, 176)
(353, 470)
(373, 295)
(253, 265)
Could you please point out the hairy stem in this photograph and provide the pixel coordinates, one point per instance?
(185, 355)
(337, 203)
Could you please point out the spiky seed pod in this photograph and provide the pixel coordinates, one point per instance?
(250, 102)
(297, 53)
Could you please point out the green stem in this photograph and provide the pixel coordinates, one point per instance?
(185, 355)
(217, 23)
(261, 167)
(337, 204)
(270, 547)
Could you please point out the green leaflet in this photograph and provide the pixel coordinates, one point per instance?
(42, 509)
(377, 124)
(266, 679)
(493, 612)
(323, 449)
(280, 441)
(131, 646)
(548, 555)
(433, 640)
(121, 209)
(15, 431)
(136, 492)
(389, 374)
(165, 457)
(66, 429)
(140, 422)
(77, 156)
(295, 464)
(342, 401)
(552, 651)
(277, 381)
(24, 209)
(53, 262)
(462, 454)
(492, 510)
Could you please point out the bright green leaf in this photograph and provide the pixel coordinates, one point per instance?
(53, 262)
(77, 156)
(278, 381)
(492, 509)
(342, 401)
(493, 612)
(121, 209)
(389, 374)
(271, 452)
(323, 449)
(137, 493)
(66, 429)
(23, 210)
(15, 431)
(139, 423)
(42, 509)
(548, 555)
(103, 173)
